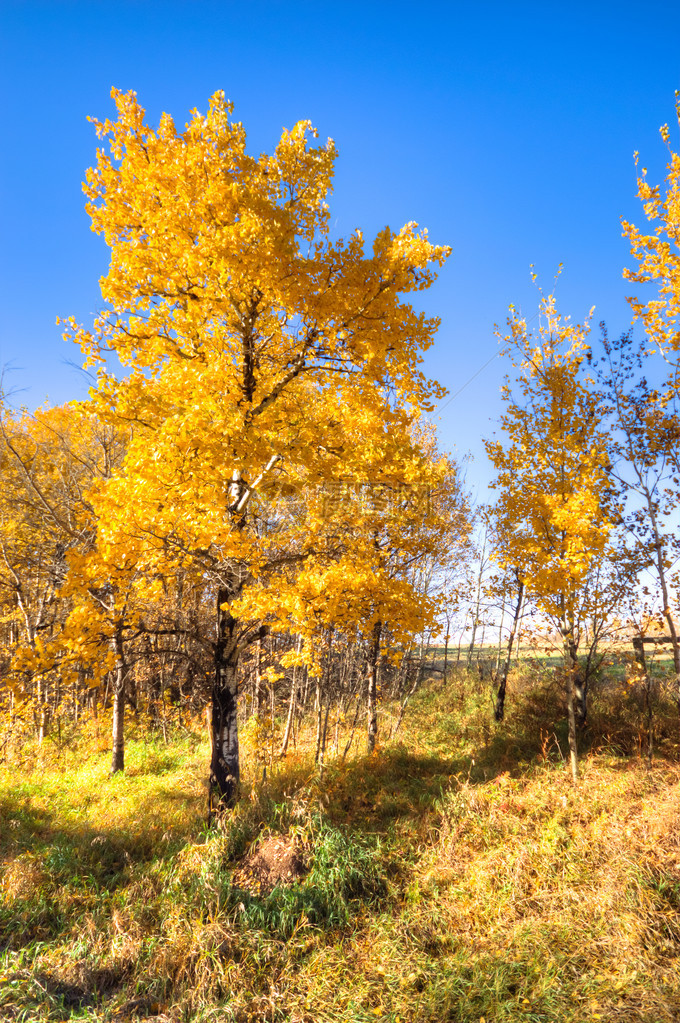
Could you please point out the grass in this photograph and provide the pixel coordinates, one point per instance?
(454, 876)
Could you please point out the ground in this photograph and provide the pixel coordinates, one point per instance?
(275, 861)
(454, 876)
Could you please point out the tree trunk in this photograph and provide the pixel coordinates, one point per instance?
(258, 695)
(291, 705)
(319, 711)
(373, 659)
(571, 666)
(338, 711)
(471, 648)
(224, 763)
(641, 662)
(580, 699)
(579, 686)
(518, 651)
(324, 730)
(272, 715)
(446, 655)
(499, 709)
(500, 637)
(95, 712)
(301, 707)
(118, 728)
(118, 732)
(42, 710)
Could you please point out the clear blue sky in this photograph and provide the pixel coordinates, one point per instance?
(508, 130)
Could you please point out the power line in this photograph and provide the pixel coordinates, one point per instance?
(481, 368)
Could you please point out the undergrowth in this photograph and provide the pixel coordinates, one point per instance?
(456, 875)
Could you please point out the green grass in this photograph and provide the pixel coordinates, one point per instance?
(454, 876)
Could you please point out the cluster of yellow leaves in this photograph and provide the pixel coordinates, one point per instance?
(197, 227)
(268, 363)
(51, 462)
(658, 253)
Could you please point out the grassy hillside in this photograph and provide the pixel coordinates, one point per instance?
(454, 876)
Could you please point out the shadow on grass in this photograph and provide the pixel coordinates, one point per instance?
(363, 823)
(469, 745)
(56, 867)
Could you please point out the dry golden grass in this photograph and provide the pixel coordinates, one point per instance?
(459, 877)
(21, 878)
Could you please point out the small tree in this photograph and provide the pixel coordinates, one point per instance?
(552, 516)
(645, 467)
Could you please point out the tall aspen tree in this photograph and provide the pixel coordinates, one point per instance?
(262, 357)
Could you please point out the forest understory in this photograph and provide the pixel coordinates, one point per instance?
(456, 874)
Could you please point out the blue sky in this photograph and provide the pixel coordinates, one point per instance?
(508, 130)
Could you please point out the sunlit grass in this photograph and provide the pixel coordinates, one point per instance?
(455, 875)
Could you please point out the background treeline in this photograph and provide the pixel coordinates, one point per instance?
(75, 653)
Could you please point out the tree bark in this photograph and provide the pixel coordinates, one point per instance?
(641, 662)
(446, 655)
(499, 709)
(373, 659)
(118, 729)
(324, 730)
(224, 763)
(319, 711)
(258, 698)
(571, 666)
(291, 705)
(580, 699)
(42, 715)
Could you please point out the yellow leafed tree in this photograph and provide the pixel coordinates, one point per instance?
(653, 431)
(658, 254)
(552, 515)
(51, 463)
(265, 361)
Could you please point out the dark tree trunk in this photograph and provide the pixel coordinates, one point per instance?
(580, 700)
(446, 655)
(373, 659)
(258, 694)
(579, 686)
(499, 709)
(95, 712)
(324, 730)
(224, 764)
(319, 711)
(641, 662)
